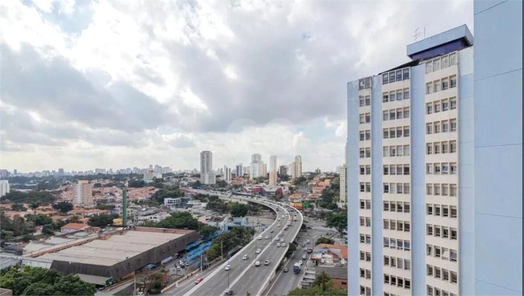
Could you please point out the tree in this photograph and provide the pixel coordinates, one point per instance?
(18, 207)
(74, 219)
(102, 220)
(196, 185)
(180, 220)
(63, 206)
(321, 281)
(39, 220)
(136, 184)
(206, 230)
(338, 220)
(34, 205)
(237, 209)
(222, 183)
(324, 240)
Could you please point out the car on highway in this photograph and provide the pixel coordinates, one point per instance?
(286, 269)
(198, 281)
(285, 228)
(282, 240)
(266, 262)
(304, 257)
(245, 257)
(271, 231)
(260, 237)
(279, 225)
(228, 267)
(258, 251)
(257, 263)
(308, 241)
(267, 237)
(228, 292)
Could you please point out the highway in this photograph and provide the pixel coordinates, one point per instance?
(244, 276)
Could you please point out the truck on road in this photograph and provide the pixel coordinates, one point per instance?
(296, 268)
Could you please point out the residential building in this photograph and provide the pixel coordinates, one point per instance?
(492, 256)
(227, 174)
(4, 173)
(343, 184)
(283, 170)
(4, 187)
(207, 176)
(256, 167)
(83, 193)
(298, 166)
(172, 201)
(72, 227)
(405, 128)
(292, 170)
(240, 170)
(273, 174)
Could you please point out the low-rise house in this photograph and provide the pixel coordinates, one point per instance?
(72, 227)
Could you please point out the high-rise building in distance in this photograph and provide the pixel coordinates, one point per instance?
(273, 174)
(239, 170)
(292, 171)
(4, 187)
(207, 176)
(405, 129)
(227, 174)
(83, 193)
(257, 166)
(343, 183)
(283, 170)
(298, 166)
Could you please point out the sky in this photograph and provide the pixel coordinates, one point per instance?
(118, 84)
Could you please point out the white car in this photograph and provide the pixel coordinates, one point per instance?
(278, 245)
(228, 267)
(257, 263)
(267, 236)
(258, 251)
(259, 238)
(266, 262)
(245, 257)
(300, 262)
(281, 240)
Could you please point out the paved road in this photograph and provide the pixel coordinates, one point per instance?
(244, 276)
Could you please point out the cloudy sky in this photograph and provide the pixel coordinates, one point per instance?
(116, 84)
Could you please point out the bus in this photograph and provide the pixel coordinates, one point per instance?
(296, 268)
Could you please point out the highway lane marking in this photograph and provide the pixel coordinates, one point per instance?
(208, 278)
(249, 266)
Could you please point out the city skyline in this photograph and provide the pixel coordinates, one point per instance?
(114, 101)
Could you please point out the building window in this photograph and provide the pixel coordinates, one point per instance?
(429, 108)
(453, 277)
(436, 64)
(385, 98)
(436, 147)
(453, 211)
(444, 193)
(406, 112)
(386, 188)
(429, 88)
(385, 78)
(392, 96)
(452, 146)
(429, 229)
(445, 168)
(391, 114)
(444, 147)
(437, 192)
(368, 135)
(453, 255)
(437, 127)
(429, 128)
(368, 187)
(406, 94)
(362, 187)
(445, 62)
(445, 84)
(453, 81)
(362, 170)
(452, 59)
(429, 150)
(362, 152)
(429, 189)
(362, 136)
(437, 106)
(386, 224)
(386, 169)
(406, 150)
(405, 74)
(453, 168)
(406, 131)
(368, 152)
(453, 233)
(362, 118)
(436, 167)
(368, 170)
(368, 101)
(445, 105)
(386, 206)
(429, 67)
(391, 77)
(453, 103)
(399, 75)
(368, 117)
(436, 85)
(453, 123)
(429, 169)
(399, 132)
(452, 190)
(361, 101)
(399, 113)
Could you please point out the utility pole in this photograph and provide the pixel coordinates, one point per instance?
(201, 263)
(222, 248)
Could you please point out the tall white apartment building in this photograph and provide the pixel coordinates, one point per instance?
(343, 183)
(404, 172)
(273, 170)
(4, 187)
(298, 166)
(83, 193)
(292, 171)
(207, 176)
(257, 166)
(227, 174)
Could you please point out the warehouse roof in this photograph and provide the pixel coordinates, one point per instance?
(115, 249)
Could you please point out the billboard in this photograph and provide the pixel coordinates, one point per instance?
(305, 205)
(296, 205)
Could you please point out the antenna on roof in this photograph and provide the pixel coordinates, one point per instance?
(417, 33)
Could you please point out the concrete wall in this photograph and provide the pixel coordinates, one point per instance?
(498, 147)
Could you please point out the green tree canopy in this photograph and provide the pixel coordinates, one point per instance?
(39, 220)
(18, 207)
(102, 220)
(180, 220)
(63, 206)
(41, 281)
(339, 220)
(324, 240)
(237, 209)
(43, 197)
(136, 184)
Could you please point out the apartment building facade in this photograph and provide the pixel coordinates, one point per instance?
(406, 127)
